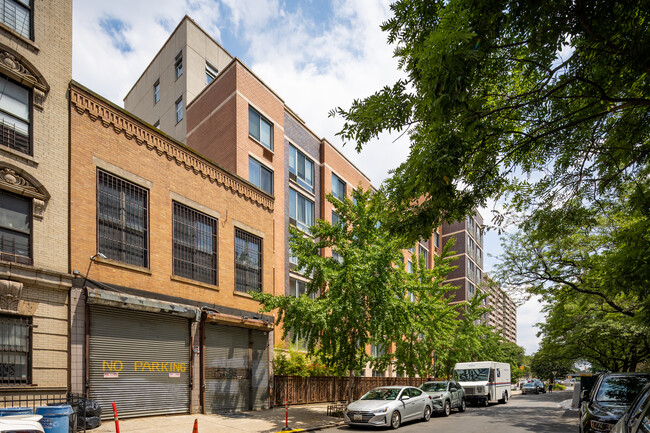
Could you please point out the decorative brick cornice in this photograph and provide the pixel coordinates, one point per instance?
(85, 102)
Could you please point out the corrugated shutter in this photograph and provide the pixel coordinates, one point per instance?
(140, 361)
(227, 374)
(260, 374)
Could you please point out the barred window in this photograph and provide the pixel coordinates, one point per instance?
(15, 350)
(195, 245)
(15, 116)
(248, 262)
(122, 220)
(17, 15)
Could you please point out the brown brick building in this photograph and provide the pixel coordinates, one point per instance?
(35, 69)
(176, 243)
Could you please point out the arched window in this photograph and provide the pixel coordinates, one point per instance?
(22, 199)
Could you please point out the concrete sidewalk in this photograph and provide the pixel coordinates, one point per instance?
(305, 417)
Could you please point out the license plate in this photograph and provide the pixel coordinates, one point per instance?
(357, 417)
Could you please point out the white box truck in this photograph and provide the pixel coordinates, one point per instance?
(484, 382)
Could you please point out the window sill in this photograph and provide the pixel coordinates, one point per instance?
(122, 265)
(294, 183)
(22, 38)
(194, 282)
(25, 158)
(255, 140)
(244, 294)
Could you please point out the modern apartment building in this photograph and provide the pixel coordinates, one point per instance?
(503, 311)
(468, 275)
(35, 69)
(235, 119)
(470, 280)
(166, 247)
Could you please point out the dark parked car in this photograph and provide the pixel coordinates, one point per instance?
(637, 417)
(610, 397)
(529, 388)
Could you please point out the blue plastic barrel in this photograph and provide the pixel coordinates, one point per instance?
(7, 411)
(56, 419)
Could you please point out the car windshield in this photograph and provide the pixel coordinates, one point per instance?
(434, 386)
(473, 374)
(529, 385)
(382, 394)
(621, 389)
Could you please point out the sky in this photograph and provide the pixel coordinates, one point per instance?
(316, 54)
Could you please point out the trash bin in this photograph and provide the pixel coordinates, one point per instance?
(7, 411)
(56, 419)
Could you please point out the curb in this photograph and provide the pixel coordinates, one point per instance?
(336, 424)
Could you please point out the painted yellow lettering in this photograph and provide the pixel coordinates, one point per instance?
(136, 365)
(105, 365)
(115, 367)
(182, 367)
(156, 366)
(146, 365)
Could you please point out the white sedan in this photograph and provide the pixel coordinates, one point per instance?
(389, 406)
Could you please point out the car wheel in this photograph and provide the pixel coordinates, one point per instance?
(395, 420)
(427, 413)
(447, 409)
(504, 400)
(463, 406)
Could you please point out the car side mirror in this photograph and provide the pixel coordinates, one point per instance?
(405, 397)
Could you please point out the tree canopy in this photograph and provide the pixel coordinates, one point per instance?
(542, 101)
(362, 296)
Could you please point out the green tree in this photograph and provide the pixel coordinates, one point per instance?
(360, 297)
(554, 93)
(583, 328)
(547, 366)
(429, 321)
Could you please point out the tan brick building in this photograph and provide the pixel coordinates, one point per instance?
(503, 310)
(35, 69)
(177, 243)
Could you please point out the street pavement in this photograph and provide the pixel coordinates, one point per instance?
(543, 413)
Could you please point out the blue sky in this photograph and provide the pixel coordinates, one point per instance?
(316, 55)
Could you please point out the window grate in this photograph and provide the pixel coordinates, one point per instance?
(195, 245)
(15, 350)
(122, 220)
(248, 262)
(16, 15)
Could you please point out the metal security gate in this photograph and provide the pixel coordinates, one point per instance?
(235, 376)
(260, 369)
(227, 377)
(140, 361)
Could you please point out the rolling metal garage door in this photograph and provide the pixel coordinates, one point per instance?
(260, 370)
(227, 377)
(231, 380)
(140, 361)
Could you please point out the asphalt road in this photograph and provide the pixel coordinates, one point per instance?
(522, 414)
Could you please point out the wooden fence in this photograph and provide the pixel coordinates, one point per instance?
(323, 389)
